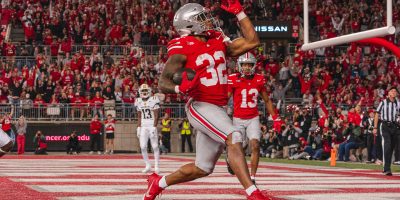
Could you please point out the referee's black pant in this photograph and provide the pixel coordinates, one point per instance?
(390, 137)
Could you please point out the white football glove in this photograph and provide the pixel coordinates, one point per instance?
(154, 132)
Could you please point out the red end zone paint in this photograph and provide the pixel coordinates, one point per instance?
(82, 156)
(13, 191)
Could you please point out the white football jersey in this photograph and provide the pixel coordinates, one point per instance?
(4, 139)
(147, 107)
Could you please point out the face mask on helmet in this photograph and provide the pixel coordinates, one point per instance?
(144, 91)
(194, 19)
(247, 64)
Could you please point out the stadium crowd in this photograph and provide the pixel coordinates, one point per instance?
(329, 80)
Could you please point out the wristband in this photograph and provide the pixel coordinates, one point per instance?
(241, 15)
(177, 89)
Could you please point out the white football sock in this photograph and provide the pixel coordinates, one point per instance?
(251, 189)
(162, 183)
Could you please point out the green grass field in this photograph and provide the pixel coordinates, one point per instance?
(350, 165)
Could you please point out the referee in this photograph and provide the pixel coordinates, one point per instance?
(387, 112)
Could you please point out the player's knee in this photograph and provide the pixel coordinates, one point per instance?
(204, 170)
(234, 137)
(143, 149)
(156, 148)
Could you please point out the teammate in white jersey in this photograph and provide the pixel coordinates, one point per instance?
(6, 143)
(148, 111)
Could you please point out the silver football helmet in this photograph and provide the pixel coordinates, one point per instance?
(247, 58)
(195, 19)
(144, 91)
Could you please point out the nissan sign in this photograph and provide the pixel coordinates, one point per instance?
(273, 29)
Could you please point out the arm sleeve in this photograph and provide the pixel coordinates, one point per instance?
(156, 103)
(176, 46)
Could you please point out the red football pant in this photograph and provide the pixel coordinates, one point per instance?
(21, 144)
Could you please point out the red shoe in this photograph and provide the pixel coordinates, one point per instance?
(152, 189)
(257, 195)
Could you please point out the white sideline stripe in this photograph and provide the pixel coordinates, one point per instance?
(119, 188)
(164, 197)
(349, 196)
(163, 172)
(133, 169)
(209, 180)
(68, 174)
(125, 188)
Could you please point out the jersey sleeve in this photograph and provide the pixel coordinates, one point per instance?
(261, 85)
(176, 46)
(156, 103)
(137, 104)
(231, 82)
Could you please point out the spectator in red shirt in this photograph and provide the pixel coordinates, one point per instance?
(10, 52)
(97, 105)
(67, 78)
(29, 32)
(78, 104)
(95, 134)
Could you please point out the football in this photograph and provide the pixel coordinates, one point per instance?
(177, 78)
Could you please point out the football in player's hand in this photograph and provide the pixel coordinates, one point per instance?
(177, 78)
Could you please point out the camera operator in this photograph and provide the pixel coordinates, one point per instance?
(290, 139)
(314, 141)
(305, 122)
(73, 146)
(271, 143)
(40, 142)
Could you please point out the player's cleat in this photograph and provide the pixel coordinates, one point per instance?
(227, 163)
(146, 169)
(153, 189)
(257, 195)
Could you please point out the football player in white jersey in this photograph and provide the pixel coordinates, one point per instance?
(6, 143)
(148, 112)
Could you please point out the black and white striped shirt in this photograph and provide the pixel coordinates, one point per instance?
(388, 111)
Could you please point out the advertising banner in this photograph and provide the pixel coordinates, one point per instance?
(273, 29)
(57, 135)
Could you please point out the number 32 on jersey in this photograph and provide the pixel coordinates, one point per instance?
(217, 73)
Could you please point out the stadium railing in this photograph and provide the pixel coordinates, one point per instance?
(123, 111)
(88, 49)
(63, 112)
